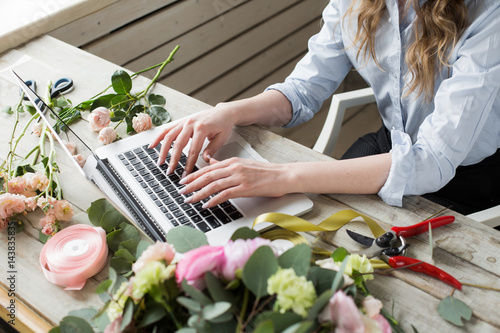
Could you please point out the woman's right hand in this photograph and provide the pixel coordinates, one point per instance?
(214, 124)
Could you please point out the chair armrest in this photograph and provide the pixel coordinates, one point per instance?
(489, 217)
(340, 102)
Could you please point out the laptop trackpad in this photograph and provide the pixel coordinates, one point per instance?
(233, 149)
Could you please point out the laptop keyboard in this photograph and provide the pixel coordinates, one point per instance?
(163, 190)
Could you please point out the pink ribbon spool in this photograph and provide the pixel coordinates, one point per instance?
(73, 255)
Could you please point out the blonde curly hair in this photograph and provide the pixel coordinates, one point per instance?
(439, 25)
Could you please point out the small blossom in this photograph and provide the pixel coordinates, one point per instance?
(36, 181)
(48, 229)
(157, 251)
(99, 118)
(48, 219)
(142, 122)
(342, 311)
(117, 303)
(31, 203)
(63, 210)
(16, 185)
(331, 265)
(11, 204)
(37, 129)
(80, 160)
(107, 135)
(361, 264)
(70, 146)
(153, 273)
(293, 292)
(237, 253)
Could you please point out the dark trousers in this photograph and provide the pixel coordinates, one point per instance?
(474, 187)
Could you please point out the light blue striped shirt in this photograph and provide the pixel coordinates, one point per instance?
(461, 126)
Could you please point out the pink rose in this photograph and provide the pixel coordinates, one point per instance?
(99, 118)
(142, 122)
(237, 253)
(157, 251)
(71, 147)
(195, 263)
(47, 229)
(342, 311)
(80, 160)
(11, 204)
(63, 210)
(107, 135)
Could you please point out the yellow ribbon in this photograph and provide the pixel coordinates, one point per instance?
(293, 224)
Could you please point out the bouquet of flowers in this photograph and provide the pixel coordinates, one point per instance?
(186, 285)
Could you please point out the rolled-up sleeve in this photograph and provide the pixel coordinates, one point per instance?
(319, 72)
(464, 126)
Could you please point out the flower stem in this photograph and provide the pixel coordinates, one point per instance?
(243, 310)
(171, 314)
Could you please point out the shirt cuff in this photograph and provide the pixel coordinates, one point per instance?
(300, 113)
(402, 166)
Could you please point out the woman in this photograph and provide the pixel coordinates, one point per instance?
(434, 66)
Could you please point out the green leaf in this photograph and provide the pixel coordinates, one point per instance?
(118, 115)
(338, 280)
(321, 278)
(31, 110)
(258, 269)
(120, 265)
(186, 238)
(7, 109)
(280, 320)
(128, 313)
(61, 102)
(301, 327)
(121, 81)
(119, 102)
(244, 233)
(339, 254)
(97, 210)
(298, 258)
(130, 231)
(104, 100)
(195, 294)
(215, 310)
(265, 327)
(153, 314)
(156, 100)
(87, 314)
(124, 254)
(319, 304)
(114, 238)
(217, 291)
(158, 115)
(453, 310)
(72, 324)
(189, 304)
(103, 286)
(141, 247)
(43, 237)
(111, 219)
(130, 245)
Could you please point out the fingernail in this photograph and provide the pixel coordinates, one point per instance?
(183, 181)
(184, 174)
(188, 199)
(205, 205)
(209, 157)
(168, 171)
(182, 190)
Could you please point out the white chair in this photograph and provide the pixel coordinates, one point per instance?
(331, 129)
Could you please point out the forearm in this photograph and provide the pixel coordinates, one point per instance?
(270, 108)
(364, 175)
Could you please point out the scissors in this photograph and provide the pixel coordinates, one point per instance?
(64, 84)
(392, 247)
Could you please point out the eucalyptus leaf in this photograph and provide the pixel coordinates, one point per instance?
(158, 115)
(125, 255)
(215, 310)
(244, 233)
(217, 290)
(121, 82)
(87, 314)
(153, 314)
(258, 269)
(72, 324)
(114, 238)
(103, 287)
(189, 304)
(453, 310)
(130, 231)
(319, 304)
(195, 294)
(156, 100)
(97, 210)
(128, 313)
(302, 327)
(338, 280)
(265, 327)
(43, 237)
(184, 238)
(321, 278)
(280, 320)
(339, 254)
(186, 330)
(141, 247)
(111, 219)
(120, 265)
(298, 258)
(130, 245)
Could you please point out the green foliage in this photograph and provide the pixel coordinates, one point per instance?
(454, 310)
(186, 238)
(258, 269)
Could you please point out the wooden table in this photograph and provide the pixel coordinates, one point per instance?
(466, 249)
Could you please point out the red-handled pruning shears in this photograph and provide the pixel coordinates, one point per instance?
(392, 247)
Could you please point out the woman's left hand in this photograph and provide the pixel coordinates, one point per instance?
(235, 178)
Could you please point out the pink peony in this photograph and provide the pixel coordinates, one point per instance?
(142, 122)
(80, 160)
(237, 253)
(63, 210)
(99, 118)
(107, 135)
(195, 263)
(71, 147)
(37, 129)
(342, 311)
(11, 204)
(157, 251)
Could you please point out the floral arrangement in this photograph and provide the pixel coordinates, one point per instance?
(186, 285)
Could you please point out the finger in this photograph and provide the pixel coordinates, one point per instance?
(162, 134)
(214, 145)
(194, 151)
(222, 184)
(229, 193)
(179, 144)
(166, 144)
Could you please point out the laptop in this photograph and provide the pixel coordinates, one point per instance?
(126, 172)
